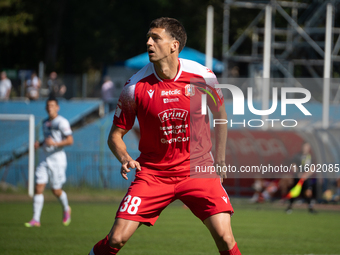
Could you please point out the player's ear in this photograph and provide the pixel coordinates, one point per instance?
(174, 45)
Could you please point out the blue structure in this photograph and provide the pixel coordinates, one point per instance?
(141, 60)
(14, 134)
(90, 162)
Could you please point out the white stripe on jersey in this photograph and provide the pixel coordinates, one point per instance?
(58, 129)
(185, 65)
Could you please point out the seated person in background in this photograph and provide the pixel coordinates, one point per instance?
(336, 196)
(265, 189)
(332, 192)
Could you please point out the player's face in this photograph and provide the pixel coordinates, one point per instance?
(52, 109)
(159, 44)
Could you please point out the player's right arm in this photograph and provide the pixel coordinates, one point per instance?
(118, 148)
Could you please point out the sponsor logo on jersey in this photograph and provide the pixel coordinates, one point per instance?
(150, 92)
(171, 114)
(174, 131)
(171, 92)
(179, 139)
(170, 100)
(118, 109)
(189, 90)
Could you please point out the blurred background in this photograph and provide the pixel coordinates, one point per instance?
(84, 52)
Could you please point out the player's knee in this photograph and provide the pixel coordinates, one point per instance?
(57, 192)
(229, 239)
(39, 189)
(226, 239)
(117, 241)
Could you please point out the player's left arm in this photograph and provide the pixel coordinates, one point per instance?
(221, 132)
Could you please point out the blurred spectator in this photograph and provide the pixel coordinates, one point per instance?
(5, 86)
(33, 86)
(107, 94)
(56, 86)
(264, 190)
(336, 196)
(332, 193)
(309, 184)
(267, 189)
(234, 72)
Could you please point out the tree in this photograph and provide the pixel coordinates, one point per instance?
(73, 36)
(14, 20)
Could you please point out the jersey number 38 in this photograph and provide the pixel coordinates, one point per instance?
(130, 204)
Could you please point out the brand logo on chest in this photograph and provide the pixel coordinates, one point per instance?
(150, 92)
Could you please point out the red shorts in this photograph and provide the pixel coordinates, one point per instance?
(148, 195)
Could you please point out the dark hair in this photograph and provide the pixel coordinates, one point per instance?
(173, 27)
(52, 98)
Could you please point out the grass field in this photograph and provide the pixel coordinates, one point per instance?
(263, 229)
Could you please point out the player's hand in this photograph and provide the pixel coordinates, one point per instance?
(49, 141)
(129, 164)
(223, 174)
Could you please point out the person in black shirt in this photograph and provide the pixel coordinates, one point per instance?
(309, 184)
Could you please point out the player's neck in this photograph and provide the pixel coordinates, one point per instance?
(167, 69)
(52, 117)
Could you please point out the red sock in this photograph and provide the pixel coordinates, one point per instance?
(233, 251)
(103, 248)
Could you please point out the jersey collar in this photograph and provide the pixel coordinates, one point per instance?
(170, 80)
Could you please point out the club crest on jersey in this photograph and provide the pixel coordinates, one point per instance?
(150, 92)
(174, 113)
(189, 90)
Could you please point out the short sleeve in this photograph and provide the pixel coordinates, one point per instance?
(65, 128)
(126, 109)
(8, 84)
(215, 99)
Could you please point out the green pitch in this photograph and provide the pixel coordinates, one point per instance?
(258, 230)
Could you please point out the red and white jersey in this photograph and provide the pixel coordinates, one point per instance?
(172, 128)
